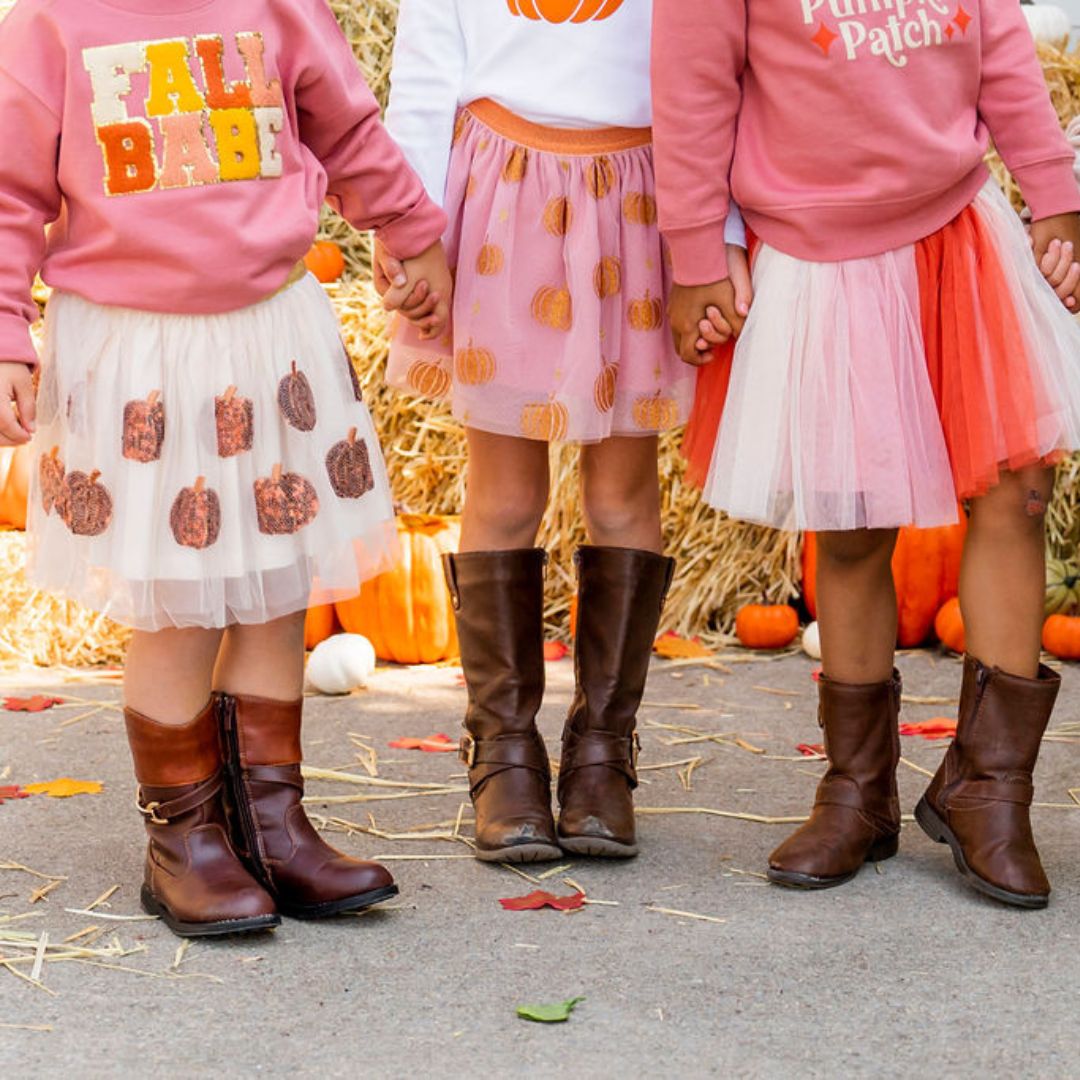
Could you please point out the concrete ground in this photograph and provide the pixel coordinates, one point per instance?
(905, 972)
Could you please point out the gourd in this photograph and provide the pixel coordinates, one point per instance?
(560, 11)
(766, 626)
(811, 641)
(949, 626)
(325, 260)
(1062, 587)
(340, 664)
(1048, 23)
(1061, 636)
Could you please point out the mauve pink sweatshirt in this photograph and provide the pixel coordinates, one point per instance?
(183, 149)
(847, 127)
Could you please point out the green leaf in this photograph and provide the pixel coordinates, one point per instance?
(549, 1014)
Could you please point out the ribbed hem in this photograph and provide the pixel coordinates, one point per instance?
(1049, 187)
(699, 253)
(414, 232)
(15, 341)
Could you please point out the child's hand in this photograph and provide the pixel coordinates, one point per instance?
(16, 403)
(715, 329)
(424, 297)
(1056, 243)
(389, 273)
(703, 316)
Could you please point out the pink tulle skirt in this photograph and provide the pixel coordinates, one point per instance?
(876, 392)
(560, 330)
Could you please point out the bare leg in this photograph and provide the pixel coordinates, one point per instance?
(621, 493)
(1003, 576)
(263, 661)
(168, 675)
(507, 492)
(857, 604)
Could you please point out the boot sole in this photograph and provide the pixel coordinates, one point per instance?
(520, 853)
(882, 850)
(930, 822)
(597, 847)
(223, 928)
(344, 906)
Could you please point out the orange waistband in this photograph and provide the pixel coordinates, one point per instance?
(554, 140)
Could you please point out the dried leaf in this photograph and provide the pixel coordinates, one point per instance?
(65, 787)
(549, 1014)
(673, 647)
(539, 899)
(554, 650)
(940, 727)
(13, 791)
(433, 744)
(37, 703)
(811, 749)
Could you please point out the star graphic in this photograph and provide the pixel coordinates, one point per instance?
(962, 19)
(949, 31)
(824, 38)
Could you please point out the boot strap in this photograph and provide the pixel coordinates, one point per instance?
(1020, 792)
(835, 791)
(523, 751)
(601, 748)
(161, 813)
(276, 774)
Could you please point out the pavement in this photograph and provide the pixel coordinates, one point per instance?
(904, 972)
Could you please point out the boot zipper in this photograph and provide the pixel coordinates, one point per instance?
(240, 802)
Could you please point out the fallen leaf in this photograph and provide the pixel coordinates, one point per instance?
(540, 899)
(13, 791)
(549, 1014)
(811, 749)
(37, 703)
(433, 744)
(940, 727)
(671, 646)
(64, 788)
(554, 650)
(816, 674)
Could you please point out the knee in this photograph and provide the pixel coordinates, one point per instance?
(513, 513)
(614, 508)
(1018, 505)
(859, 547)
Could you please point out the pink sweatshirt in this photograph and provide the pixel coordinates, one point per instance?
(847, 127)
(183, 149)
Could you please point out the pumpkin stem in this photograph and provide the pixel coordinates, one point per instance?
(294, 367)
(352, 436)
(200, 483)
(154, 397)
(275, 473)
(54, 452)
(94, 475)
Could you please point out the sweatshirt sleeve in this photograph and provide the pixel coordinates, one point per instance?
(699, 52)
(29, 200)
(426, 81)
(1015, 104)
(370, 183)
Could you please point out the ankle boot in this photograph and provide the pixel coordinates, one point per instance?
(498, 599)
(194, 880)
(856, 815)
(621, 594)
(979, 801)
(306, 876)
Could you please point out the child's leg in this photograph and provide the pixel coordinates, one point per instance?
(169, 674)
(856, 816)
(622, 582)
(979, 800)
(260, 682)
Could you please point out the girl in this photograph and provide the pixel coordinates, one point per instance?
(529, 120)
(204, 455)
(903, 352)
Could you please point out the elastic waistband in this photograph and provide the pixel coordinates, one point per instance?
(555, 140)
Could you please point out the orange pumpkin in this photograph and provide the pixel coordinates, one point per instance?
(766, 626)
(560, 11)
(490, 260)
(319, 624)
(647, 313)
(926, 569)
(1061, 636)
(14, 485)
(559, 215)
(604, 388)
(429, 379)
(639, 208)
(546, 421)
(325, 260)
(474, 366)
(607, 277)
(406, 613)
(553, 307)
(656, 413)
(600, 177)
(517, 165)
(949, 626)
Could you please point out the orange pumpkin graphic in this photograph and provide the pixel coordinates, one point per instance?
(547, 421)
(517, 165)
(51, 477)
(429, 379)
(85, 505)
(474, 366)
(604, 388)
(553, 307)
(656, 413)
(285, 502)
(646, 314)
(144, 429)
(560, 11)
(195, 517)
(348, 465)
(234, 418)
(558, 215)
(600, 177)
(607, 277)
(490, 260)
(639, 208)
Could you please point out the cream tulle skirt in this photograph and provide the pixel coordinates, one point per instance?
(199, 471)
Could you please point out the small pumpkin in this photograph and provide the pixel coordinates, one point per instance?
(600, 177)
(558, 215)
(560, 11)
(85, 505)
(553, 307)
(325, 260)
(296, 400)
(429, 379)
(949, 626)
(656, 413)
(607, 277)
(811, 641)
(604, 387)
(51, 479)
(766, 626)
(284, 502)
(348, 465)
(234, 418)
(516, 166)
(646, 313)
(144, 429)
(340, 664)
(406, 613)
(547, 421)
(639, 208)
(195, 517)
(1062, 587)
(15, 464)
(1061, 636)
(319, 623)
(490, 260)
(474, 366)
(1048, 23)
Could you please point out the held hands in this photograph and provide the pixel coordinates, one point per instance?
(705, 316)
(1056, 243)
(420, 288)
(16, 403)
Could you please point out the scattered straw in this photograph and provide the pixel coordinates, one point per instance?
(683, 914)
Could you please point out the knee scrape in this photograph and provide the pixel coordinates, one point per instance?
(1035, 504)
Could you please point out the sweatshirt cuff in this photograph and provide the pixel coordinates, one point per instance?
(413, 233)
(1049, 187)
(697, 253)
(16, 342)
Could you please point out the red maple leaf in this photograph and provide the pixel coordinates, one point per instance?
(13, 791)
(539, 899)
(37, 703)
(941, 727)
(433, 744)
(554, 650)
(811, 749)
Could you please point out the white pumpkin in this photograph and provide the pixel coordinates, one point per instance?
(340, 664)
(1049, 23)
(811, 641)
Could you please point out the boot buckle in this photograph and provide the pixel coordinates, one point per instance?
(149, 810)
(467, 750)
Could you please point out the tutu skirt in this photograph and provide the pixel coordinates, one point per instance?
(559, 325)
(877, 392)
(199, 471)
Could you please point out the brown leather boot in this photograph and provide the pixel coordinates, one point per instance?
(979, 801)
(194, 880)
(498, 599)
(856, 815)
(306, 876)
(621, 594)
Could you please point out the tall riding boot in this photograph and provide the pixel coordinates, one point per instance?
(308, 878)
(621, 594)
(856, 816)
(194, 880)
(498, 599)
(979, 801)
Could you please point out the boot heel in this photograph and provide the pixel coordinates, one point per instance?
(930, 823)
(884, 849)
